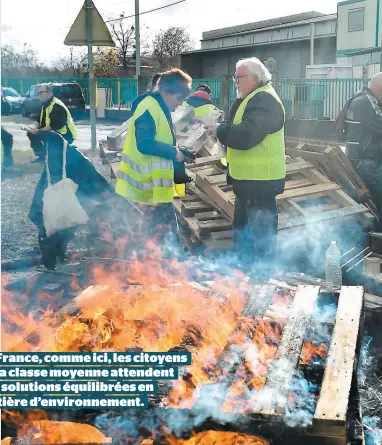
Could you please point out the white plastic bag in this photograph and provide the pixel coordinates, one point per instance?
(61, 208)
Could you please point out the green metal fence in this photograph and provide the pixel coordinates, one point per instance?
(316, 98)
(313, 98)
(302, 98)
(214, 84)
(119, 92)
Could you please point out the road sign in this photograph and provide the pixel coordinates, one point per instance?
(77, 35)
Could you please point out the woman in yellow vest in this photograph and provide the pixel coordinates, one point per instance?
(151, 163)
(54, 116)
(254, 137)
(201, 101)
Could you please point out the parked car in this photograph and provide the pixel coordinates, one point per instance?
(69, 92)
(11, 100)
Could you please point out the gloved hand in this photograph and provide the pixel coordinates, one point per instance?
(189, 155)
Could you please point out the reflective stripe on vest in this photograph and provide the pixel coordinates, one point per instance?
(265, 161)
(144, 178)
(69, 120)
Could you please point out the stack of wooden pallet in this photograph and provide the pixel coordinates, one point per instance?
(310, 197)
(331, 160)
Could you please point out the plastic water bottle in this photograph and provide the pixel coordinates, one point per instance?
(333, 274)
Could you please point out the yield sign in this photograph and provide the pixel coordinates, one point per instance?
(77, 35)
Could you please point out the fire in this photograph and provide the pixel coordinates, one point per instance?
(149, 304)
(51, 432)
(310, 351)
(219, 438)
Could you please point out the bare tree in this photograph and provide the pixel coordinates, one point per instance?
(169, 44)
(73, 64)
(15, 63)
(124, 36)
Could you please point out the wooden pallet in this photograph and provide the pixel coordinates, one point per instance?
(309, 198)
(331, 160)
(330, 421)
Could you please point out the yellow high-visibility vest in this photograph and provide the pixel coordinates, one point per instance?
(69, 119)
(144, 178)
(265, 161)
(202, 111)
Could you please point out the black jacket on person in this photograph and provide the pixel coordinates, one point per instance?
(91, 184)
(58, 118)
(263, 115)
(363, 126)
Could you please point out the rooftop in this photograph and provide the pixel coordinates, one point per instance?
(279, 22)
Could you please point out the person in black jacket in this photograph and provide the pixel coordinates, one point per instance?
(93, 188)
(54, 116)
(256, 168)
(363, 131)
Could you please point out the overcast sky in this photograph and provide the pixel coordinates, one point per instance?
(43, 24)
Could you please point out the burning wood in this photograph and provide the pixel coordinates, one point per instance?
(238, 336)
(219, 438)
(51, 432)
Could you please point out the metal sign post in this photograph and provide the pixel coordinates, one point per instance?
(90, 30)
(137, 41)
(89, 35)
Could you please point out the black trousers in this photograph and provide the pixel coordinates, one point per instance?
(38, 145)
(7, 140)
(255, 224)
(53, 248)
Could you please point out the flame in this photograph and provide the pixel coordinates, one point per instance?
(219, 438)
(52, 432)
(147, 303)
(310, 351)
(6, 441)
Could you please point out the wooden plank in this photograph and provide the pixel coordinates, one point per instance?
(217, 195)
(205, 227)
(334, 396)
(226, 234)
(200, 162)
(288, 352)
(296, 183)
(345, 212)
(212, 244)
(259, 299)
(298, 167)
(190, 208)
(306, 191)
(307, 155)
(199, 133)
(208, 216)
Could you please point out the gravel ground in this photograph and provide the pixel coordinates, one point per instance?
(18, 234)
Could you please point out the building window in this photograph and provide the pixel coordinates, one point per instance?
(356, 19)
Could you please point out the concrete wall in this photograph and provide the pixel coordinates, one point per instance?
(366, 38)
(291, 58)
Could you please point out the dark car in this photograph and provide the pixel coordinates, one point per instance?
(69, 92)
(11, 101)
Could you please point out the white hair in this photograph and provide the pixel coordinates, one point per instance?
(256, 67)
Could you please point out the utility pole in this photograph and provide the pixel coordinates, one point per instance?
(137, 41)
(89, 34)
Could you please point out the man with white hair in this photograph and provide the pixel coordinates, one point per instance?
(254, 137)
